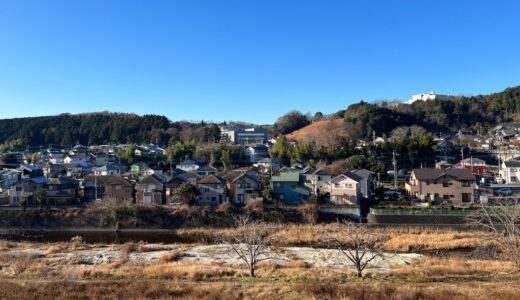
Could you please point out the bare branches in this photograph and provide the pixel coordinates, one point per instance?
(362, 245)
(502, 218)
(251, 243)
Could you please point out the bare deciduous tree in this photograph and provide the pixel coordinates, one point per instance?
(252, 242)
(358, 244)
(502, 218)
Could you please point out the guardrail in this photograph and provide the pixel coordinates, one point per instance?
(424, 211)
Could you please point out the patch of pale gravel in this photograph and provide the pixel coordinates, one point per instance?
(333, 258)
(218, 254)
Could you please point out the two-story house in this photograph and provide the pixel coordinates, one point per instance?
(241, 187)
(456, 186)
(510, 171)
(476, 165)
(289, 187)
(26, 188)
(367, 182)
(108, 169)
(317, 180)
(212, 190)
(150, 190)
(345, 189)
(8, 177)
(62, 191)
(114, 187)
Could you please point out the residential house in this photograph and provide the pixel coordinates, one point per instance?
(206, 170)
(188, 165)
(345, 189)
(510, 171)
(54, 170)
(26, 187)
(150, 171)
(268, 165)
(289, 187)
(317, 180)
(8, 177)
(101, 159)
(367, 182)
(55, 156)
(137, 169)
(150, 190)
(241, 187)
(78, 151)
(191, 178)
(30, 171)
(172, 184)
(257, 152)
(212, 190)
(443, 165)
(476, 165)
(108, 169)
(454, 186)
(108, 186)
(62, 191)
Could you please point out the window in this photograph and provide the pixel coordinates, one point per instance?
(336, 185)
(446, 197)
(466, 197)
(445, 184)
(278, 184)
(466, 183)
(427, 183)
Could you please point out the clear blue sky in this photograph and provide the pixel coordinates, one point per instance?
(248, 60)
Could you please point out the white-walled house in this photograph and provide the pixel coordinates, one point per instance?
(345, 189)
(510, 171)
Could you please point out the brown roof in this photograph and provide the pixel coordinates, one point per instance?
(152, 179)
(211, 179)
(434, 174)
(108, 180)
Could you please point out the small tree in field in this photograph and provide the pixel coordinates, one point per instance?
(358, 244)
(502, 218)
(41, 198)
(23, 202)
(186, 193)
(251, 242)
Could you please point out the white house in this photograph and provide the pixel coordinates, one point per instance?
(510, 171)
(345, 189)
(188, 165)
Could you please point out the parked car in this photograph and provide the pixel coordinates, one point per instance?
(504, 191)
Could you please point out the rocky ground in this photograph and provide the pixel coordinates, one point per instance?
(61, 256)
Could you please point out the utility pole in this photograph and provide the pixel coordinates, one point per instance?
(95, 185)
(394, 162)
(462, 153)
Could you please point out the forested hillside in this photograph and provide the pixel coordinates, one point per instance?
(100, 128)
(475, 112)
(360, 120)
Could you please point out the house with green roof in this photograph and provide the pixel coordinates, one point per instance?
(289, 187)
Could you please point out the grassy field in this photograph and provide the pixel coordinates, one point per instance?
(452, 265)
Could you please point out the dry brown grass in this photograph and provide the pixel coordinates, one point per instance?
(194, 272)
(445, 267)
(171, 256)
(6, 245)
(437, 240)
(404, 239)
(132, 289)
